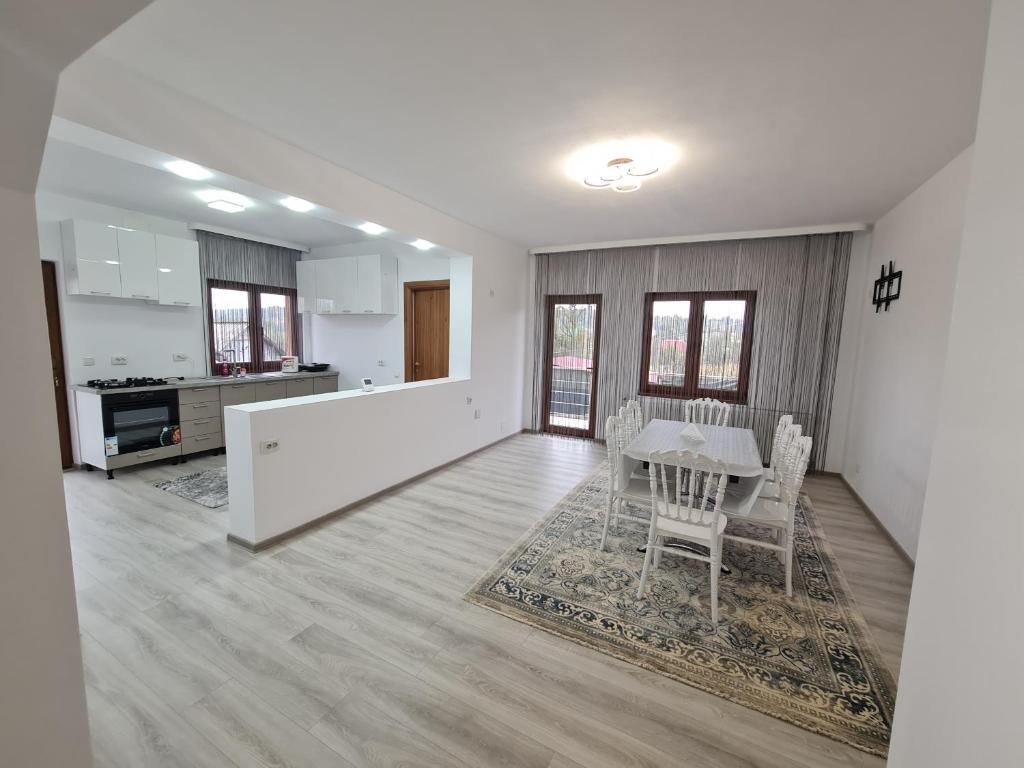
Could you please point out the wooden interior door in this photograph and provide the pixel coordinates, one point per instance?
(426, 330)
(57, 362)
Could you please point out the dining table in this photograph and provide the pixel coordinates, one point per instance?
(736, 447)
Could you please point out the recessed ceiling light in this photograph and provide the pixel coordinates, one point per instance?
(165, 269)
(123, 229)
(188, 170)
(224, 200)
(111, 261)
(372, 229)
(423, 245)
(621, 164)
(226, 206)
(297, 204)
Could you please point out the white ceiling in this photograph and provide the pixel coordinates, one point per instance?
(789, 113)
(77, 171)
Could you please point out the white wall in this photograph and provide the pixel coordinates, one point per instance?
(43, 719)
(961, 689)
(894, 395)
(353, 344)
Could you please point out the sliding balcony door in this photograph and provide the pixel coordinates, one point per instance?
(571, 358)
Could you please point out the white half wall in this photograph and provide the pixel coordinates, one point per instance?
(961, 689)
(897, 374)
(353, 344)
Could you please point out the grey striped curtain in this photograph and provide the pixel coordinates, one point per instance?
(800, 284)
(246, 261)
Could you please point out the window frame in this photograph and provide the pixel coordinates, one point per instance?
(694, 346)
(258, 365)
(552, 301)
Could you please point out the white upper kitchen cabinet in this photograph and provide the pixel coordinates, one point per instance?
(136, 251)
(305, 285)
(378, 285)
(178, 281)
(336, 285)
(91, 263)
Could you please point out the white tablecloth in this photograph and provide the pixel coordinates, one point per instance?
(734, 446)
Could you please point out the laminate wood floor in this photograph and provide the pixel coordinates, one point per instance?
(350, 645)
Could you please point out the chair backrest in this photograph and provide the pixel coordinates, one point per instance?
(781, 451)
(707, 410)
(616, 439)
(633, 415)
(674, 474)
(794, 468)
(785, 422)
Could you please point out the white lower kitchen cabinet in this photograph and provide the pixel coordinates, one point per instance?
(178, 281)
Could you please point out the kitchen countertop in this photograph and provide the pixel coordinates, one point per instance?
(250, 378)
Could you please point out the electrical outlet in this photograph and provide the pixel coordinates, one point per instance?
(381, 364)
(119, 359)
(269, 446)
(179, 357)
(88, 360)
(469, 401)
(476, 414)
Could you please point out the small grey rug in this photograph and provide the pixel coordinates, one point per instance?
(209, 488)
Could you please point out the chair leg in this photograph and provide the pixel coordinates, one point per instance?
(648, 558)
(716, 567)
(658, 551)
(607, 518)
(789, 566)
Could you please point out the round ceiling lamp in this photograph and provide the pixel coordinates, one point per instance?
(620, 165)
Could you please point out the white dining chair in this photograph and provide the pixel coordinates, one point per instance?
(786, 444)
(623, 485)
(632, 414)
(785, 422)
(679, 514)
(707, 410)
(778, 515)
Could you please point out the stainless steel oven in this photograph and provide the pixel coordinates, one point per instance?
(136, 421)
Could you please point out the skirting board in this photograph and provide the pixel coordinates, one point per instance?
(872, 515)
(278, 538)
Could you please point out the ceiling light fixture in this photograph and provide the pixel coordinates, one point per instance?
(165, 269)
(112, 261)
(297, 204)
(421, 244)
(372, 229)
(224, 200)
(621, 165)
(123, 229)
(188, 170)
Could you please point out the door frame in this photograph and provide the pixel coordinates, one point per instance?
(549, 338)
(55, 338)
(410, 290)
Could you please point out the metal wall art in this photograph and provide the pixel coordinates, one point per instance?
(887, 287)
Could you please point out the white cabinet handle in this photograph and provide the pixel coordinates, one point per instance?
(183, 303)
(144, 454)
(197, 439)
(202, 421)
(368, 310)
(237, 386)
(346, 310)
(141, 296)
(200, 389)
(100, 293)
(201, 405)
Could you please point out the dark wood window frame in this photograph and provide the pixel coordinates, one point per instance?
(694, 341)
(583, 298)
(255, 326)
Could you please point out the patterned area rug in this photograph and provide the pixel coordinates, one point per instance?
(810, 661)
(209, 488)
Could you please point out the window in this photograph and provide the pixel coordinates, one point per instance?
(697, 344)
(252, 325)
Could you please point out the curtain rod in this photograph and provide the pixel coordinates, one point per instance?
(822, 229)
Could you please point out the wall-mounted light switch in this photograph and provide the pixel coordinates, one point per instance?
(269, 446)
(88, 360)
(179, 357)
